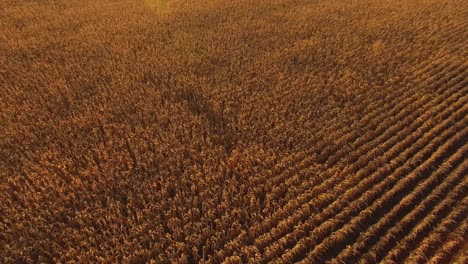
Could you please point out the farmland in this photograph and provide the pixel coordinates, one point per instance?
(245, 131)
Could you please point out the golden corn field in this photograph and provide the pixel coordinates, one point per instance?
(233, 131)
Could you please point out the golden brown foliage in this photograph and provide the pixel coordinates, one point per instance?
(246, 131)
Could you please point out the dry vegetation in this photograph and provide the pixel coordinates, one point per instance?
(233, 131)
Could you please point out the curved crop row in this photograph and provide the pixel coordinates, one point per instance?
(454, 243)
(346, 235)
(351, 183)
(322, 230)
(376, 107)
(412, 235)
(373, 233)
(436, 236)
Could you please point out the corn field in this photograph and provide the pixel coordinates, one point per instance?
(245, 131)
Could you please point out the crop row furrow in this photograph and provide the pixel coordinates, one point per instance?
(401, 239)
(428, 246)
(368, 118)
(454, 243)
(309, 160)
(438, 235)
(357, 153)
(337, 241)
(437, 182)
(322, 223)
(343, 186)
